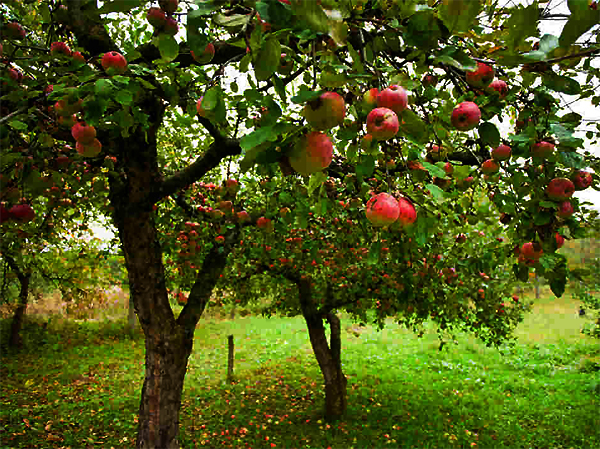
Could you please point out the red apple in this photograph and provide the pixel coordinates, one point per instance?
(499, 86)
(382, 123)
(532, 251)
(560, 189)
(560, 240)
(501, 153)
(448, 168)
(369, 100)
(408, 214)
(201, 111)
(207, 55)
(168, 6)
(78, 57)
(91, 149)
(382, 210)
(60, 48)
(429, 80)
(243, 216)
(394, 98)
(114, 63)
(436, 153)
(582, 179)
(14, 30)
(464, 184)
(15, 75)
(265, 224)
(312, 153)
(22, 212)
(465, 116)
(156, 17)
(565, 209)
(481, 77)
(326, 111)
(171, 26)
(83, 133)
(542, 149)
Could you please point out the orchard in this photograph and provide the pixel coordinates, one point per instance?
(406, 160)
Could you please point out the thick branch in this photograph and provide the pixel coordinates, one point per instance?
(85, 22)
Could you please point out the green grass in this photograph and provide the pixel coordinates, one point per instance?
(78, 385)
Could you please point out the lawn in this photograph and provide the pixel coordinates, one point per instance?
(78, 385)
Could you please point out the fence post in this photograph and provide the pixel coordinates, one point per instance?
(230, 359)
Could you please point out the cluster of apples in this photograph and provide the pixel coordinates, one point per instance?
(383, 110)
(384, 210)
(85, 135)
(59, 49)
(162, 19)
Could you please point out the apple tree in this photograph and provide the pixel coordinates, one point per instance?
(158, 98)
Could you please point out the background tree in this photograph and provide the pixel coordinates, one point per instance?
(131, 82)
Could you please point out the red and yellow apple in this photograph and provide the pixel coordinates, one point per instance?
(114, 63)
(501, 153)
(408, 213)
(382, 123)
(499, 86)
(83, 133)
(382, 210)
(393, 97)
(465, 116)
(582, 179)
(326, 111)
(560, 189)
(542, 149)
(482, 77)
(312, 153)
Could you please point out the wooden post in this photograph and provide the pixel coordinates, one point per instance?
(230, 359)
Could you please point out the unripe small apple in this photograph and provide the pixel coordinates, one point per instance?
(78, 58)
(369, 100)
(243, 216)
(265, 224)
(201, 111)
(465, 116)
(429, 80)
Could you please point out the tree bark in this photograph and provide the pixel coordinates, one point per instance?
(15, 340)
(328, 355)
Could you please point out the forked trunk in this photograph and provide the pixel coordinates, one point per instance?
(328, 354)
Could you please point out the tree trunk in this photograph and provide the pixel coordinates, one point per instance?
(15, 340)
(131, 319)
(328, 355)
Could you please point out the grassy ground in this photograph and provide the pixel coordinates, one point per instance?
(78, 385)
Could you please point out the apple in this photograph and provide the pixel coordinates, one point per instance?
(429, 80)
(78, 57)
(366, 142)
(408, 214)
(312, 153)
(156, 17)
(436, 153)
(465, 183)
(369, 99)
(14, 30)
(4, 214)
(326, 111)
(560, 240)
(448, 168)
(542, 149)
(168, 6)
(394, 97)
(207, 55)
(171, 26)
(501, 153)
(22, 212)
(565, 209)
(465, 116)
(286, 65)
(560, 189)
(15, 75)
(265, 224)
(114, 63)
(532, 251)
(481, 77)
(582, 179)
(201, 111)
(499, 86)
(243, 216)
(60, 48)
(91, 149)
(382, 210)
(382, 123)
(83, 133)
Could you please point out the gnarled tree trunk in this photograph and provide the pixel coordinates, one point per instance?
(328, 354)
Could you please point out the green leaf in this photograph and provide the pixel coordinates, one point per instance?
(257, 137)
(17, 124)
(489, 134)
(316, 180)
(250, 157)
(123, 97)
(104, 87)
(268, 58)
(204, 8)
(413, 126)
(280, 88)
(577, 25)
(109, 6)
(312, 13)
(522, 24)
(366, 167)
(358, 65)
(168, 47)
(562, 84)
(521, 272)
(234, 20)
(374, 253)
(459, 15)
(437, 193)
(455, 57)
(434, 170)
(423, 30)
(558, 285)
(306, 95)
(572, 159)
